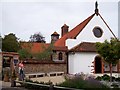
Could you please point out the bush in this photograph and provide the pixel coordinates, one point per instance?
(115, 85)
(117, 79)
(99, 78)
(92, 83)
(106, 77)
(113, 78)
(79, 83)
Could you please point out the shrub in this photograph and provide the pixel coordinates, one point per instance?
(106, 77)
(76, 82)
(79, 83)
(98, 78)
(113, 78)
(117, 79)
(115, 85)
(92, 83)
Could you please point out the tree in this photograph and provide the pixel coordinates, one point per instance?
(110, 51)
(24, 53)
(46, 54)
(10, 43)
(25, 50)
(38, 37)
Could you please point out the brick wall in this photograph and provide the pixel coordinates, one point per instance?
(45, 68)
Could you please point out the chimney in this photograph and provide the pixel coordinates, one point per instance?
(64, 30)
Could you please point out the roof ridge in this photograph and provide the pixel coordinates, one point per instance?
(80, 46)
(85, 22)
(74, 32)
(76, 46)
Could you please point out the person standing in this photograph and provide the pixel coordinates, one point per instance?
(21, 71)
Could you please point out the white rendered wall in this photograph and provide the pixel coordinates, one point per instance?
(87, 33)
(71, 63)
(81, 62)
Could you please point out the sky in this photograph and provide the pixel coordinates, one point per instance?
(26, 17)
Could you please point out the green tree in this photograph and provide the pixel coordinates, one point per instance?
(110, 51)
(10, 43)
(24, 53)
(46, 54)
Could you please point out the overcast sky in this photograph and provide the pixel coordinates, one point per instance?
(26, 17)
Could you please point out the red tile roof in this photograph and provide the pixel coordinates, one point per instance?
(84, 47)
(35, 47)
(73, 33)
(13, 53)
(65, 48)
(9, 54)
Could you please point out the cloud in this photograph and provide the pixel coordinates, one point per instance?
(26, 18)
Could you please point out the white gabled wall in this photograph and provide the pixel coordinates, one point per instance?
(86, 35)
(81, 62)
(71, 63)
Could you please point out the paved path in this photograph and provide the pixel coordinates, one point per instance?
(13, 88)
(53, 79)
(7, 86)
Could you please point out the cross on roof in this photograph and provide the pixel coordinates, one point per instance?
(96, 5)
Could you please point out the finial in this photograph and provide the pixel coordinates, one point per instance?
(96, 8)
(96, 5)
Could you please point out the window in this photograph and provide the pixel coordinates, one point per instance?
(97, 31)
(60, 56)
(15, 61)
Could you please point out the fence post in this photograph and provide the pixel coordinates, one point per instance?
(51, 87)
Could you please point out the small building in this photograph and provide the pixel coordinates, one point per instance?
(75, 51)
(82, 55)
(8, 60)
(84, 58)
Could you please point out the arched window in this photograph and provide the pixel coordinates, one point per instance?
(60, 57)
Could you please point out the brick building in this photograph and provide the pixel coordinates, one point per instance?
(57, 62)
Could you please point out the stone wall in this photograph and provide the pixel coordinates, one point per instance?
(56, 55)
(45, 68)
